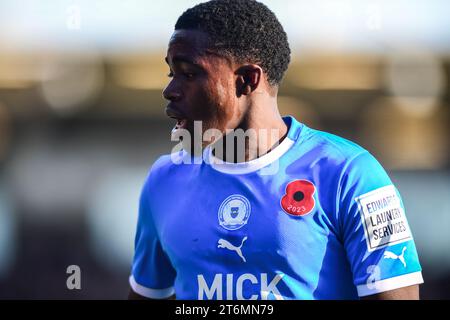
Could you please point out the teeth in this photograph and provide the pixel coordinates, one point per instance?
(181, 123)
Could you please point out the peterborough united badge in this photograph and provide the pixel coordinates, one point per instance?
(298, 199)
(234, 212)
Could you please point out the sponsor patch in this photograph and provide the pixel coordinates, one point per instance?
(383, 218)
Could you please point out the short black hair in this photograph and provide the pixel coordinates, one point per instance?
(246, 30)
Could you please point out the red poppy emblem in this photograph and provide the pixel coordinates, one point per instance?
(298, 199)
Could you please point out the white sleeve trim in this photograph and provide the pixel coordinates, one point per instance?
(390, 284)
(151, 293)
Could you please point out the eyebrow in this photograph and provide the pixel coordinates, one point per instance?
(183, 59)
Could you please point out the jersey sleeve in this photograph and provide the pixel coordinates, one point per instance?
(376, 234)
(152, 274)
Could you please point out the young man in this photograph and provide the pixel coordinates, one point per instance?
(304, 215)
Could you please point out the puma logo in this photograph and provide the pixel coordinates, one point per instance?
(391, 255)
(227, 245)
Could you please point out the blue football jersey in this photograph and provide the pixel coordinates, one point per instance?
(315, 218)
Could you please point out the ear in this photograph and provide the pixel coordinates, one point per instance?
(248, 79)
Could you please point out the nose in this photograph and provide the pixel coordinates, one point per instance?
(172, 92)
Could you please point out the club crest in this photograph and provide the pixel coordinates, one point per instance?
(234, 212)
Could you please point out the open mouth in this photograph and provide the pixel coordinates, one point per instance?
(181, 124)
(182, 121)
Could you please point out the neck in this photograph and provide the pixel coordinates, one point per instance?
(263, 129)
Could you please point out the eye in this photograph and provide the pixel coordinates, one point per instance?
(189, 75)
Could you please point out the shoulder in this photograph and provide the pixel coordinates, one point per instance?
(168, 169)
(157, 177)
(162, 166)
(160, 170)
(330, 148)
(339, 158)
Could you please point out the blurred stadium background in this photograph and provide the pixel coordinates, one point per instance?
(81, 121)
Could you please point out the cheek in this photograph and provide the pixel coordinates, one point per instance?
(213, 101)
(198, 100)
(221, 92)
(226, 101)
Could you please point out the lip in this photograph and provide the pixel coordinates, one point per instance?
(175, 114)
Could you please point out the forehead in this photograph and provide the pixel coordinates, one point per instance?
(188, 42)
(195, 46)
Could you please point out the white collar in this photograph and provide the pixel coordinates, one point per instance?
(252, 165)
